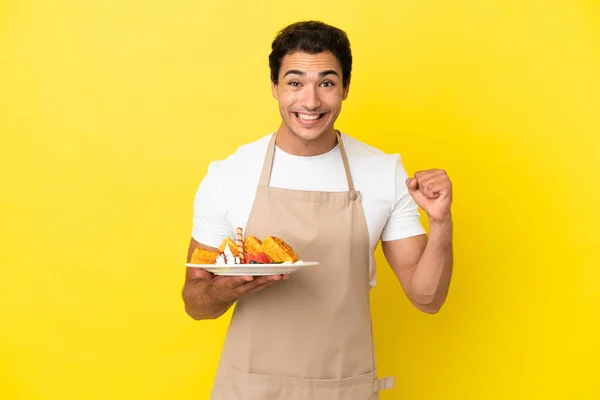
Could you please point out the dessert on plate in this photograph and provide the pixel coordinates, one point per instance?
(278, 250)
(203, 256)
(249, 250)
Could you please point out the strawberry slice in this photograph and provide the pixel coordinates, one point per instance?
(262, 258)
(257, 258)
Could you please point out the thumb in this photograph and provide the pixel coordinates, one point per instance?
(412, 184)
(413, 189)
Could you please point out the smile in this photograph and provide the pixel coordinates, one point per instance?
(308, 117)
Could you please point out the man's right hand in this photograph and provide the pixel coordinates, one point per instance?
(228, 289)
(208, 296)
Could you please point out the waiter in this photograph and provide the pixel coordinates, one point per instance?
(308, 335)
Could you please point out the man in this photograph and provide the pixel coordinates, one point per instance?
(308, 335)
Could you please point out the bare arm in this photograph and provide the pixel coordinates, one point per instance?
(208, 296)
(424, 265)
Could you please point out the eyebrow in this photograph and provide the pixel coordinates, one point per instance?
(321, 74)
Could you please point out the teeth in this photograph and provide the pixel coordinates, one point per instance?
(308, 117)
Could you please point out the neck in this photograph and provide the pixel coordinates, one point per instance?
(292, 144)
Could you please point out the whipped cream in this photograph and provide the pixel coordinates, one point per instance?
(227, 257)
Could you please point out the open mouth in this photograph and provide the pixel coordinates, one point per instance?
(308, 117)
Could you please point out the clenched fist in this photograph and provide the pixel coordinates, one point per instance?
(432, 191)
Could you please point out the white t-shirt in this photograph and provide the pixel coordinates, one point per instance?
(225, 196)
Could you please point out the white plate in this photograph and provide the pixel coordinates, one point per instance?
(253, 269)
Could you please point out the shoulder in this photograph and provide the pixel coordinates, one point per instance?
(367, 158)
(242, 159)
(379, 174)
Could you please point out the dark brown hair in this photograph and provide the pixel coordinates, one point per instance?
(311, 37)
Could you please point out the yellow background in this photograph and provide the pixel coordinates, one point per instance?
(110, 112)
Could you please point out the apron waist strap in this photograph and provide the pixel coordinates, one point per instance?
(384, 383)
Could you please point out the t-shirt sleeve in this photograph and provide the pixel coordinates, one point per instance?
(210, 225)
(404, 220)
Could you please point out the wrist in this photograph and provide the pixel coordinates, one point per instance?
(440, 231)
(445, 222)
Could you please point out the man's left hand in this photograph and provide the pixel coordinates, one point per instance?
(432, 191)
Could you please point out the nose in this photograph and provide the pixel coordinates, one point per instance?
(310, 98)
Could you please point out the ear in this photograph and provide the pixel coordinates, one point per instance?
(345, 92)
(274, 90)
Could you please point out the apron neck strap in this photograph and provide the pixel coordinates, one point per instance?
(265, 176)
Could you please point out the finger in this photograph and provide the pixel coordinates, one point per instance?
(249, 286)
(198, 273)
(260, 287)
(258, 280)
(419, 174)
(435, 187)
(427, 174)
(231, 282)
(412, 184)
(426, 187)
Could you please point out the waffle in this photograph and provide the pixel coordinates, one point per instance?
(278, 250)
(203, 256)
(232, 246)
(252, 244)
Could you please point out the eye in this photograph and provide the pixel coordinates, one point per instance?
(294, 83)
(328, 84)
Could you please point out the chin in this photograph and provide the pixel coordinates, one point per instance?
(308, 135)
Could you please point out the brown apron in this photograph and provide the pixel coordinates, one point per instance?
(309, 337)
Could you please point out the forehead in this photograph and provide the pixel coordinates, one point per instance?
(310, 63)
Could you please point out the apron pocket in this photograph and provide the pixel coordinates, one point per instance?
(234, 384)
